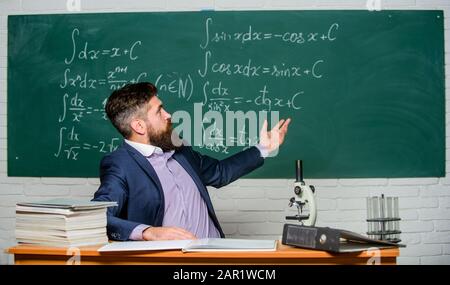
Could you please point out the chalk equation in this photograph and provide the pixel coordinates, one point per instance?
(218, 97)
(252, 34)
(250, 69)
(71, 143)
(111, 79)
(91, 71)
(74, 108)
(83, 51)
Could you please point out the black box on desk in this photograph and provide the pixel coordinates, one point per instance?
(329, 239)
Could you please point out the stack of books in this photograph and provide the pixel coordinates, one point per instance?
(62, 222)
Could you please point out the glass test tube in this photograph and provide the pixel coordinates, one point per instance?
(376, 215)
(397, 216)
(369, 215)
(389, 215)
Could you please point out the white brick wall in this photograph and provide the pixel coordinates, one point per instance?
(255, 208)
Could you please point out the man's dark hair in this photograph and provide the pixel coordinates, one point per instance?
(127, 103)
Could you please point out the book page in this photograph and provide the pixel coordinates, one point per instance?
(67, 203)
(225, 244)
(144, 245)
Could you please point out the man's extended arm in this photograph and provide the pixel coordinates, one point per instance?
(220, 173)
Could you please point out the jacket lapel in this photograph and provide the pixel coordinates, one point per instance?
(145, 165)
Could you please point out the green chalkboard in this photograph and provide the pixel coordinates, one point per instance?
(365, 90)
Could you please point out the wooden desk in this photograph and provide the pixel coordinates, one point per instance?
(284, 255)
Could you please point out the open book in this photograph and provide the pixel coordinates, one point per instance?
(220, 244)
(208, 244)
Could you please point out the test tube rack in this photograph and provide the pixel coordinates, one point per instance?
(378, 224)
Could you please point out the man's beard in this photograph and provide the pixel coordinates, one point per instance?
(167, 139)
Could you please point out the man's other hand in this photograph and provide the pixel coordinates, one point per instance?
(166, 233)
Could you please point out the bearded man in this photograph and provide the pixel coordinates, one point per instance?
(160, 184)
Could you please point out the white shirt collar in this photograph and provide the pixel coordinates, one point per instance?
(144, 149)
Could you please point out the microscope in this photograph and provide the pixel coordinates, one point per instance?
(306, 235)
(304, 195)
